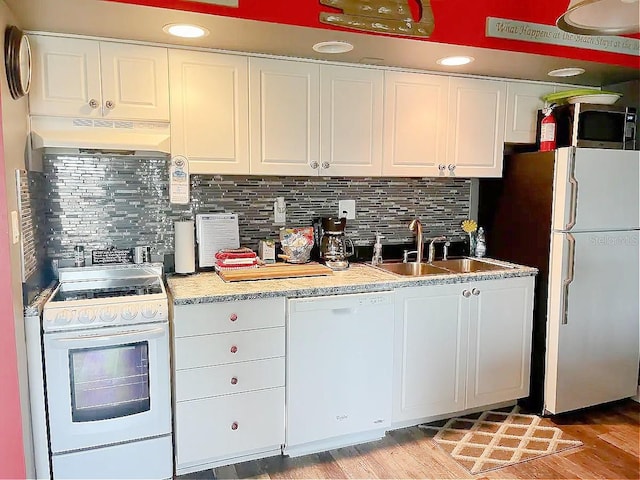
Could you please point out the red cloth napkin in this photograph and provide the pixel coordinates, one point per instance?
(228, 254)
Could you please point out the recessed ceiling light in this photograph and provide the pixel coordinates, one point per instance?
(566, 72)
(185, 30)
(454, 61)
(333, 47)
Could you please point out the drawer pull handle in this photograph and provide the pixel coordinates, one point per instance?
(234, 380)
(234, 349)
(233, 317)
(234, 426)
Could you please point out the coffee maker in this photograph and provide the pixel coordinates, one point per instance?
(334, 246)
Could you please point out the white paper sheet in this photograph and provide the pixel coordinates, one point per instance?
(214, 232)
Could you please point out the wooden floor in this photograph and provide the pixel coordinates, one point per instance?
(611, 437)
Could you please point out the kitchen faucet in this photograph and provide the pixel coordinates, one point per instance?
(416, 226)
(432, 247)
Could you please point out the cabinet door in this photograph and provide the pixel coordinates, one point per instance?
(209, 111)
(284, 117)
(66, 77)
(523, 102)
(350, 121)
(135, 82)
(430, 352)
(476, 127)
(499, 340)
(415, 121)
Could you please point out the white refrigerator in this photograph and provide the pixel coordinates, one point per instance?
(575, 215)
(593, 325)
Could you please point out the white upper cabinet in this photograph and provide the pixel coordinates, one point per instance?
(523, 102)
(476, 127)
(87, 78)
(415, 124)
(65, 77)
(284, 114)
(351, 102)
(210, 111)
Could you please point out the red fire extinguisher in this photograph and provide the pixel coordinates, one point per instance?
(548, 129)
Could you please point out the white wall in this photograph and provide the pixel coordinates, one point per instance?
(15, 131)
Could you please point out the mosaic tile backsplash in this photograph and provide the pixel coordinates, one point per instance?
(123, 201)
(33, 207)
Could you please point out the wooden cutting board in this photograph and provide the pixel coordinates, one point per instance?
(278, 270)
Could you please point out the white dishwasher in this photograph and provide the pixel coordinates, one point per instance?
(339, 369)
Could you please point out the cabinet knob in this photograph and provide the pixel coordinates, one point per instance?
(233, 317)
(93, 103)
(234, 349)
(441, 167)
(234, 380)
(475, 291)
(451, 167)
(109, 104)
(314, 165)
(234, 426)
(325, 165)
(466, 293)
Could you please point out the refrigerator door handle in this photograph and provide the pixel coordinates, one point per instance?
(574, 192)
(567, 281)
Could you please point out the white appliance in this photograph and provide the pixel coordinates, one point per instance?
(75, 134)
(575, 215)
(339, 370)
(593, 327)
(107, 374)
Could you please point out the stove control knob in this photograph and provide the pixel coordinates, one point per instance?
(149, 311)
(108, 315)
(86, 316)
(64, 317)
(129, 313)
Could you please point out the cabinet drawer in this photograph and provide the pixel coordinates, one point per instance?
(210, 350)
(205, 318)
(232, 378)
(204, 429)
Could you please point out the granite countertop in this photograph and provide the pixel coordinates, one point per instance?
(208, 287)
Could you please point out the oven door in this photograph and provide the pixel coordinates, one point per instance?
(107, 386)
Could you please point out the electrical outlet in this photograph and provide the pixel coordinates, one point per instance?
(15, 227)
(347, 208)
(279, 211)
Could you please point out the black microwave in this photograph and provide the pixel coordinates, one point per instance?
(594, 126)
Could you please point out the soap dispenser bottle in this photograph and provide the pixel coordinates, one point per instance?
(481, 244)
(377, 250)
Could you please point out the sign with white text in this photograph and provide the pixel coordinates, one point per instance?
(538, 33)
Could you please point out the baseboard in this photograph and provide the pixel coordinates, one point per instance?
(332, 443)
(637, 395)
(434, 418)
(182, 469)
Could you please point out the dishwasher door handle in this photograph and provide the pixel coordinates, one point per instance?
(344, 311)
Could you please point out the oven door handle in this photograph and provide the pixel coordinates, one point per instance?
(101, 340)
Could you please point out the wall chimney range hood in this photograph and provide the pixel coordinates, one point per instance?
(86, 135)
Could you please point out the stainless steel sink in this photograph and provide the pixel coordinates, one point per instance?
(440, 267)
(413, 269)
(467, 265)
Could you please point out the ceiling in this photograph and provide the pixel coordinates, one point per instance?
(285, 27)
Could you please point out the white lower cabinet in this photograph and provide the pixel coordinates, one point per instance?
(229, 376)
(461, 346)
(224, 427)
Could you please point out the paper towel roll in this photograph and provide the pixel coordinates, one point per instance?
(185, 257)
